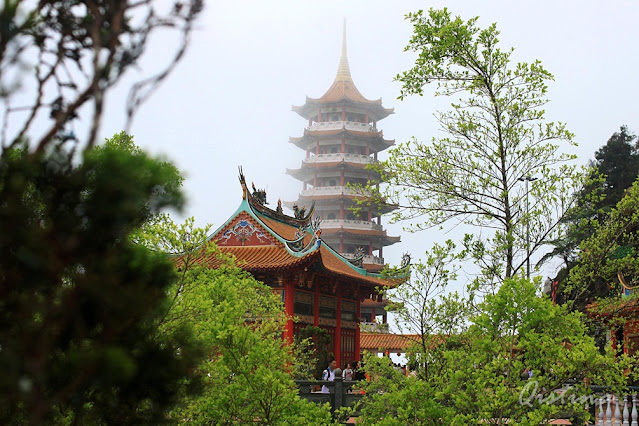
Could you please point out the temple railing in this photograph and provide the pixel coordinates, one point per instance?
(342, 393)
(340, 156)
(348, 125)
(610, 410)
(333, 190)
(350, 224)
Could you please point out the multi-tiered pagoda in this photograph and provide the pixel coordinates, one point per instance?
(340, 141)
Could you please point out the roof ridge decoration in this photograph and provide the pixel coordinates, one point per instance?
(343, 69)
(257, 201)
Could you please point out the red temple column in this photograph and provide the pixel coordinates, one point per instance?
(343, 146)
(316, 304)
(357, 330)
(341, 212)
(289, 304)
(317, 149)
(368, 148)
(343, 113)
(341, 244)
(341, 178)
(338, 330)
(366, 117)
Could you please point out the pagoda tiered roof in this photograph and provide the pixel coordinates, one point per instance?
(343, 91)
(262, 239)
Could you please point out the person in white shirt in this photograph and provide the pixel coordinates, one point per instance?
(329, 373)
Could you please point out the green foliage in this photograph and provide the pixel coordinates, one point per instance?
(495, 139)
(478, 379)
(600, 262)
(613, 172)
(423, 304)
(80, 304)
(312, 343)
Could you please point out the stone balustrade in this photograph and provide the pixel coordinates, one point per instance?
(616, 410)
(348, 125)
(333, 190)
(338, 156)
(350, 224)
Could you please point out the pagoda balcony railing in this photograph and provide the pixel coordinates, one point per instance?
(348, 125)
(350, 224)
(368, 259)
(338, 156)
(332, 190)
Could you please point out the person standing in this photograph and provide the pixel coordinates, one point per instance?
(348, 372)
(329, 373)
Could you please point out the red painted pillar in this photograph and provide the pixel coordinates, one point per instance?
(357, 330)
(317, 148)
(370, 214)
(338, 330)
(341, 178)
(368, 148)
(316, 305)
(289, 303)
(366, 117)
(343, 146)
(343, 113)
(341, 244)
(370, 248)
(341, 212)
(319, 116)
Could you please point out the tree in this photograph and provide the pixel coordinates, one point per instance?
(496, 168)
(611, 250)
(59, 58)
(612, 173)
(479, 379)
(424, 306)
(80, 305)
(618, 162)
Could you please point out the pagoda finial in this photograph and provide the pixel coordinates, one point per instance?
(343, 70)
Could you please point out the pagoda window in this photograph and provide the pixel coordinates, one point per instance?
(349, 311)
(334, 150)
(331, 216)
(328, 307)
(351, 216)
(332, 182)
(303, 304)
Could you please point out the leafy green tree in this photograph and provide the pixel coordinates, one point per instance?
(609, 252)
(479, 378)
(80, 305)
(496, 142)
(612, 173)
(423, 305)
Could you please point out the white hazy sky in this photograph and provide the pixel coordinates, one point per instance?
(229, 101)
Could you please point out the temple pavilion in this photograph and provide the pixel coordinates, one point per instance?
(318, 286)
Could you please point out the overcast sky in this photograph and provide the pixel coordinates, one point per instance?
(229, 101)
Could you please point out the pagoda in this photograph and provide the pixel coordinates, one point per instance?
(341, 140)
(317, 286)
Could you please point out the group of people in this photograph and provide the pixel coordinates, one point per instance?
(352, 372)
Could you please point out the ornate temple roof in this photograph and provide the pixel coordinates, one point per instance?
(262, 239)
(343, 90)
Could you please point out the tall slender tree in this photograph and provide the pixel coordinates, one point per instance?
(496, 167)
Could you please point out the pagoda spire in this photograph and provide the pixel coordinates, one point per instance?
(343, 70)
